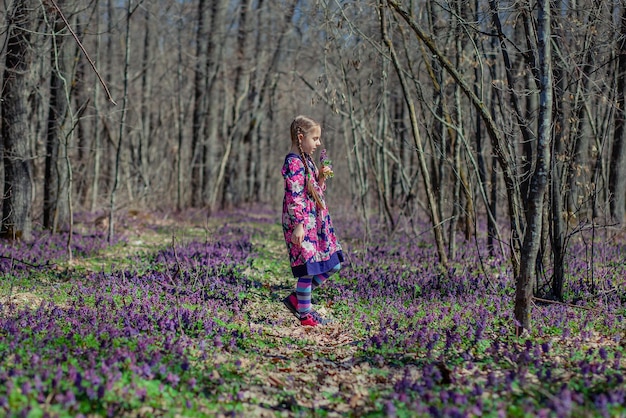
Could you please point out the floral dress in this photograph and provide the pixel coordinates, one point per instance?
(320, 251)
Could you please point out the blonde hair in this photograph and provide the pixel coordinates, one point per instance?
(303, 125)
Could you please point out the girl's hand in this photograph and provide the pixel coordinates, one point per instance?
(325, 172)
(298, 235)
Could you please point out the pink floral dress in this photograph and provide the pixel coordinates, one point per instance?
(320, 251)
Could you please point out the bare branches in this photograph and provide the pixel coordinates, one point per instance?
(82, 48)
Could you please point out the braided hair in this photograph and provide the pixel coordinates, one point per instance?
(302, 125)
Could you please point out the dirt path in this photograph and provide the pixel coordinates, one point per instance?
(307, 368)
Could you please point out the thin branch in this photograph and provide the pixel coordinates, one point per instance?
(82, 48)
(39, 266)
(556, 302)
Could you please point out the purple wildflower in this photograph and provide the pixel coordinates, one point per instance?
(172, 379)
(389, 409)
(26, 388)
(141, 394)
(70, 399)
(325, 162)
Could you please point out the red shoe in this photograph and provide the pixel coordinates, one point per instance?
(308, 320)
(313, 319)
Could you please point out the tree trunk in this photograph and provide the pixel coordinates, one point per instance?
(180, 123)
(122, 124)
(212, 124)
(261, 98)
(617, 169)
(97, 137)
(359, 166)
(438, 131)
(557, 219)
(199, 110)
(17, 205)
(232, 180)
(480, 152)
(109, 152)
(143, 141)
(56, 198)
(80, 96)
(532, 235)
(578, 176)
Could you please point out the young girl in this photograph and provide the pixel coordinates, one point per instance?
(314, 252)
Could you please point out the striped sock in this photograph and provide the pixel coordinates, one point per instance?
(303, 292)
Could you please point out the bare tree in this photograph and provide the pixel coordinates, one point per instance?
(140, 147)
(432, 203)
(499, 144)
(60, 124)
(238, 136)
(130, 8)
(557, 219)
(578, 173)
(17, 204)
(213, 122)
(539, 178)
(199, 106)
(97, 141)
(617, 171)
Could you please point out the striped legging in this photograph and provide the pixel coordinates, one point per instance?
(306, 284)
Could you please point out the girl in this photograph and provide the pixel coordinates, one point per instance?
(314, 252)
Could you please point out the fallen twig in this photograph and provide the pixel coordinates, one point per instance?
(556, 302)
(47, 264)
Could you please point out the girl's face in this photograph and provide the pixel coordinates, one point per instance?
(311, 140)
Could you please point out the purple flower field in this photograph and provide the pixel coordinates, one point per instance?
(196, 328)
(20, 259)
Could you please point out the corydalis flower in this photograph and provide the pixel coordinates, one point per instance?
(325, 162)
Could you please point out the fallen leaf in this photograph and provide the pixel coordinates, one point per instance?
(355, 400)
(275, 381)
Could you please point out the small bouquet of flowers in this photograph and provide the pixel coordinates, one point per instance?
(325, 162)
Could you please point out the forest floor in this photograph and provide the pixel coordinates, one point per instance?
(183, 317)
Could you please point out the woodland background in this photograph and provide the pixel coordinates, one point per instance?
(502, 118)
